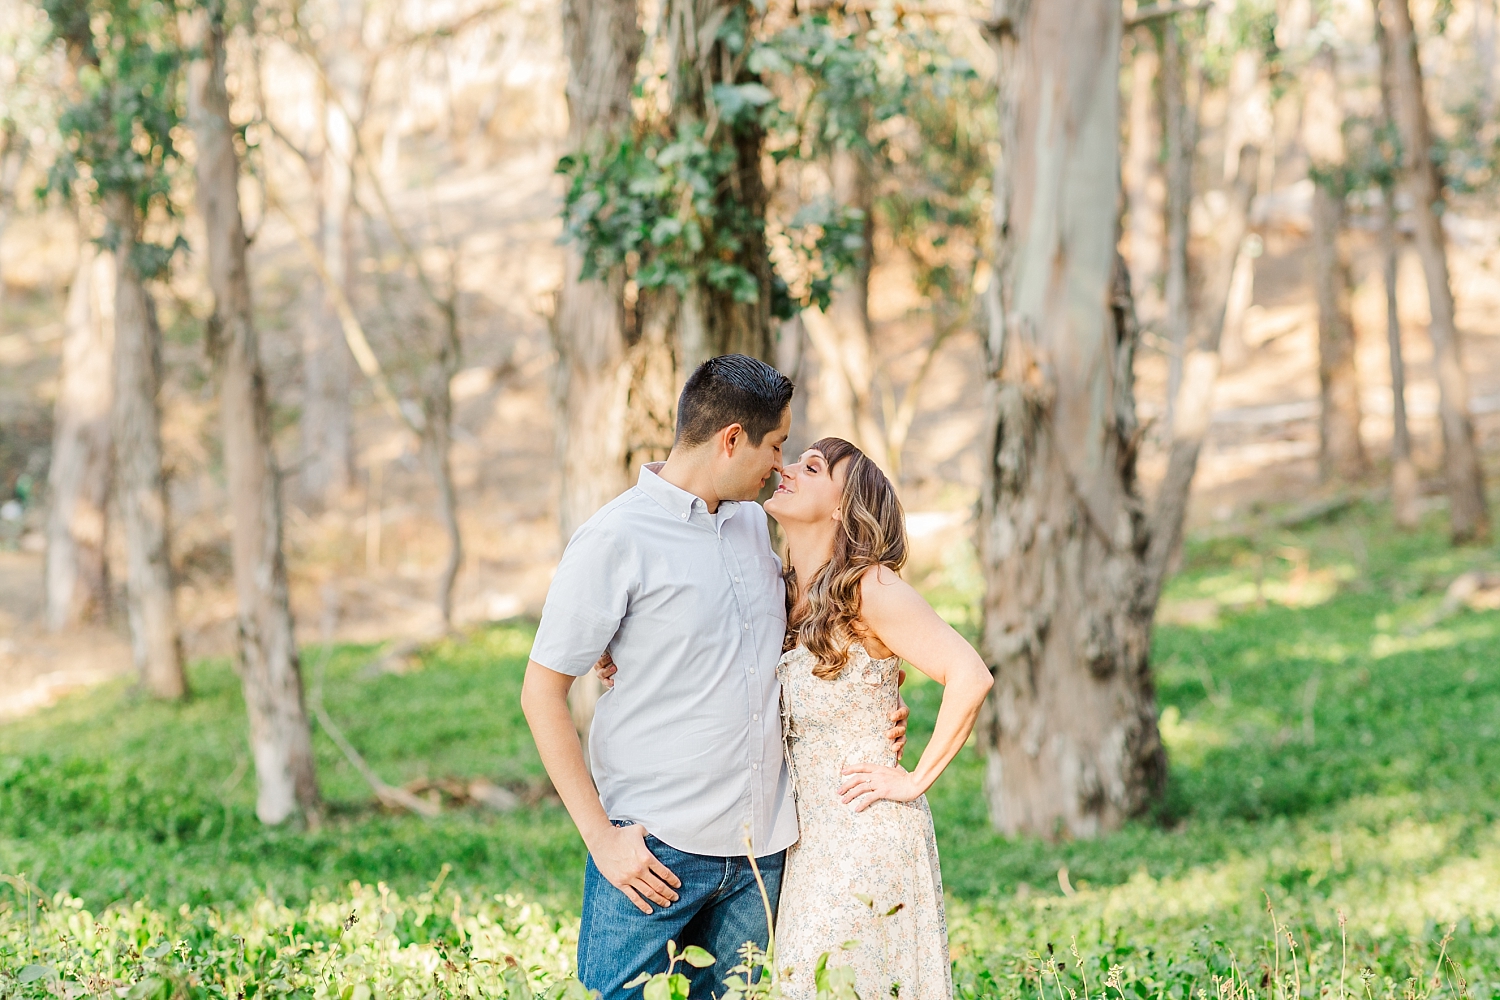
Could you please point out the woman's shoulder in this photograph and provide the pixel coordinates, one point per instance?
(883, 585)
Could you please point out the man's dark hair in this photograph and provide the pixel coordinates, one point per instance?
(732, 389)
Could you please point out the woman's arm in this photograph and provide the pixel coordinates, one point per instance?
(906, 624)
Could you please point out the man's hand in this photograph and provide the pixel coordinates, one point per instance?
(622, 857)
(897, 733)
(605, 668)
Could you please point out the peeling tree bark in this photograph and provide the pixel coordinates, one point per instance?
(270, 673)
(78, 476)
(1341, 453)
(140, 483)
(1069, 733)
(1469, 518)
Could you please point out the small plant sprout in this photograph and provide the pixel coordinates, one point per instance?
(672, 985)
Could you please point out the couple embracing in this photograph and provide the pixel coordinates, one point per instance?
(750, 710)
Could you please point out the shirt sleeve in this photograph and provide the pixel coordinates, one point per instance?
(589, 596)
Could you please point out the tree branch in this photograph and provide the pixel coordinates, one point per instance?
(1145, 15)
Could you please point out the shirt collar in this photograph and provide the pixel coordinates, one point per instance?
(677, 501)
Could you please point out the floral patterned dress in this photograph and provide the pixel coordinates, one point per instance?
(862, 887)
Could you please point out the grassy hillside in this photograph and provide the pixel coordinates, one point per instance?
(1335, 754)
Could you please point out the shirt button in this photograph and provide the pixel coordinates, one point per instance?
(736, 579)
(752, 670)
(754, 718)
(747, 624)
(755, 767)
(684, 517)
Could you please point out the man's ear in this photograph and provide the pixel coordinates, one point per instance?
(730, 438)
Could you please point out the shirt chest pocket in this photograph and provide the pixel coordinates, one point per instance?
(767, 593)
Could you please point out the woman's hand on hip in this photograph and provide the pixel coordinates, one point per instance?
(866, 784)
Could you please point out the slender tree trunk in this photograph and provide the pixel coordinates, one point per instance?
(1484, 55)
(1145, 187)
(1468, 515)
(270, 674)
(437, 440)
(1341, 454)
(1248, 122)
(595, 373)
(1070, 732)
(139, 479)
(1404, 484)
(1195, 399)
(78, 477)
(709, 321)
(1181, 142)
(327, 415)
(12, 156)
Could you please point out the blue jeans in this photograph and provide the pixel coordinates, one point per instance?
(718, 908)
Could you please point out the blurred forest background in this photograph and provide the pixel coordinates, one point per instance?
(324, 323)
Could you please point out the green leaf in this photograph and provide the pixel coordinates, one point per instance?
(657, 988)
(638, 980)
(697, 957)
(766, 61)
(31, 973)
(678, 983)
(148, 988)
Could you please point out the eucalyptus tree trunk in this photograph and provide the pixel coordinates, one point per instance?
(1468, 516)
(709, 321)
(603, 42)
(1404, 483)
(1194, 404)
(140, 483)
(1181, 141)
(78, 477)
(1069, 733)
(1145, 187)
(327, 421)
(1341, 453)
(270, 675)
(595, 375)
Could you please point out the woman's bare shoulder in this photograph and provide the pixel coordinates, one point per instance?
(882, 589)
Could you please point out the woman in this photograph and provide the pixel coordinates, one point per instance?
(862, 883)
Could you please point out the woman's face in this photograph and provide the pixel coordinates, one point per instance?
(810, 492)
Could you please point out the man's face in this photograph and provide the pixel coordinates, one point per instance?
(747, 467)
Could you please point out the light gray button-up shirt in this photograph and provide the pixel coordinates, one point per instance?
(691, 607)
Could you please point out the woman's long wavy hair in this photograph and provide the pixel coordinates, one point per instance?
(872, 532)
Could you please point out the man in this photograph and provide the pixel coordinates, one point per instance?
(676, 581)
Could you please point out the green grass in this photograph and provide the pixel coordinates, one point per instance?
(1334, 748)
